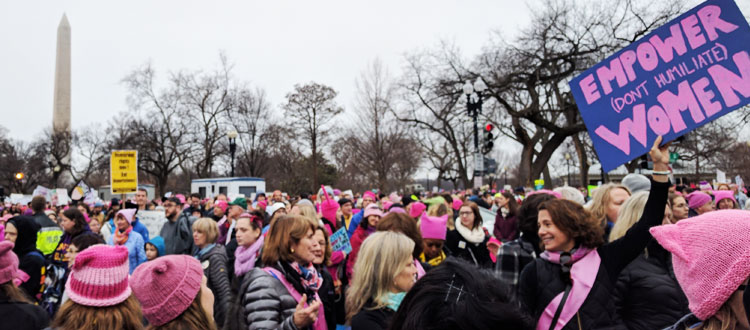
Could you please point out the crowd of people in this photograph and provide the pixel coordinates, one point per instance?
(641, 254)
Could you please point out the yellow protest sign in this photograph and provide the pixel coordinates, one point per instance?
(123, 171)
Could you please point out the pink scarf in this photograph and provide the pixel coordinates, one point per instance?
(245, 257)
(585, 266)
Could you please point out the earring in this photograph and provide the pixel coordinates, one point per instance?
(292, 250)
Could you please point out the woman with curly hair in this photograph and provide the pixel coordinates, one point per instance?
(570, 286)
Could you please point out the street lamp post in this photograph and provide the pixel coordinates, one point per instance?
(567, 161)
(232, 146)
(474, 107)
(505, 177)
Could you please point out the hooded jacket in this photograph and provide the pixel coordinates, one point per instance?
(158, 242)
(49, 233)
(30, 260)
(178, 235)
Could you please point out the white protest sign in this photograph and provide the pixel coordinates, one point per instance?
(721, 177)
(41, 191)
(153, 220)
(62, 196)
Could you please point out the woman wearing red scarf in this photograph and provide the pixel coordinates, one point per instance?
(125, 236)
(570, 286)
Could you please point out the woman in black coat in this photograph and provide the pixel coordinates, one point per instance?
(30, 259)
(469, 240)
(578, 267)
(648, 287)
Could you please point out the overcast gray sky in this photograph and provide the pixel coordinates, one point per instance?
(273, 44)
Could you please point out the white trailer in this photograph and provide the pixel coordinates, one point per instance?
(232, 187)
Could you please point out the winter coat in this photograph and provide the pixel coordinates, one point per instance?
(30, 260)
(178, 235)
(136, 250)
(459, 247)
(354, 223)
(266, 302)
(214, 264)
(506, 228)
(49, 234)
(541, 280)
(62, 247)
(648, 286)
(327, 296)
(372, 319)
(22, 316)
(359, 236)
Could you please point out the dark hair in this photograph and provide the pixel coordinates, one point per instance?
(196, 195)
(142, 189)
(573, 220)
(83, 242)
(448, 198)
(477, 216)
(85, 206)
(512, 204)
(76, 216)
(38, 203)
(364, 223)
(527, 218)
(404, 224)
(175, 200)
(459, 295)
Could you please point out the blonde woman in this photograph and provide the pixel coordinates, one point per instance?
(606, 203)
(213, 258)
(384, 272)
(628, 215)
(646, 286)
(441, 209)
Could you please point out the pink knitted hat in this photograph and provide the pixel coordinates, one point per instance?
(8, 262)
(221, 205)
(697, 199)
(100, 276)
(433, 227)
(724, 194)
(372, 209)
(457, 204)
(129, 214)
(416, 209)
(387, 205)
(328, 207)
(711, 256)
(166, 286)
(371, 194)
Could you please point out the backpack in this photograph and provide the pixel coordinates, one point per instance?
(53, 284)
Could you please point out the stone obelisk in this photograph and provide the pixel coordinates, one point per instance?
(61, 112)
(61, 134)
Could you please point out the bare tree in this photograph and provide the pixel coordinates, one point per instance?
(434, 104)
(253, 122)
(380, 149)
(311, 108)
(705, 145)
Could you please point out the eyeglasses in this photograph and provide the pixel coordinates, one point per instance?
(465, 214)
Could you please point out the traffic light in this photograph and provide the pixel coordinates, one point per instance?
(488, 139)
(19, 176)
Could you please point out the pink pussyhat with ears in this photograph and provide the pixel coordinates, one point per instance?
(416, 209)
(724, 194)
(433, 227)
(457, 204)
(329, 207)
(710, 256)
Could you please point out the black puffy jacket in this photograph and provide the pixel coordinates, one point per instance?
(648, 287)
(214, 263)
(541, 280)
(459, 247)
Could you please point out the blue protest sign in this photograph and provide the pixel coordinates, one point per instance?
(340, 241)
(681, 76)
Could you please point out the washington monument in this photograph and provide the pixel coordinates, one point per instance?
(61, 134)
(61, 107)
